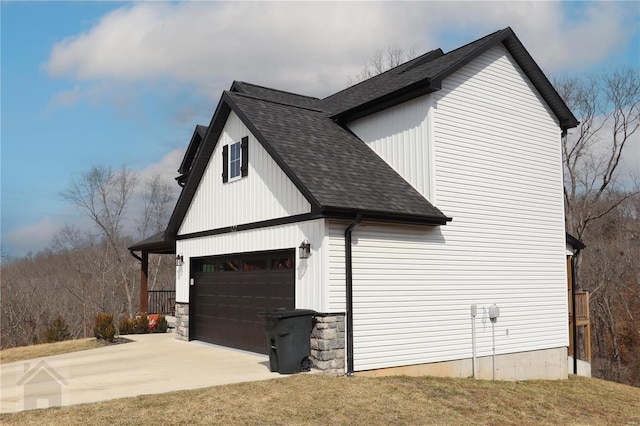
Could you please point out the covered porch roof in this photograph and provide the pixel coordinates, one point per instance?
(156, 244)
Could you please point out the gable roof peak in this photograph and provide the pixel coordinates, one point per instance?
(425, 74)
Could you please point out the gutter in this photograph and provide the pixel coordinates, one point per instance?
(135, 255)
(349, 290)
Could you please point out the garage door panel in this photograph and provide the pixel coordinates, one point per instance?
(227, 299)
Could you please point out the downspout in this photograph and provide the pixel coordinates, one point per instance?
(349, 278)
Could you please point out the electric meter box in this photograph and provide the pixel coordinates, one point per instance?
(494, 312)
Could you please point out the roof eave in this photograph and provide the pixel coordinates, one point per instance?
(388, 217)
(208, 144)
(389, 100)
(155, 244)
(510, 41)
(276, 157)
(197, 170)
(539, 80)
(574, 242)
(192, 149)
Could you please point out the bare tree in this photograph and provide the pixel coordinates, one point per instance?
(599, 211)
(382, 61)
(611, 272)
(32, 295)
(608, 107)
(86, 271)
(103, 194)
(157, 200)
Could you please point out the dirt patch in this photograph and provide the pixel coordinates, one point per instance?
(116, 341)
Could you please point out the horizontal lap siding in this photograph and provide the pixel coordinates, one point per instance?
(310, 273)
(265, 193)
(498, 174)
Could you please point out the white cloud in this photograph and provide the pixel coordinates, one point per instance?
(585, 37)
(166, 168)
(66, 98)
(31, 238)
(210, 44)
(629, 171)
(598, 154)
(313, 47)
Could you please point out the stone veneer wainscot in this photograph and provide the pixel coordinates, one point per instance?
(328, 343)
(182, 321)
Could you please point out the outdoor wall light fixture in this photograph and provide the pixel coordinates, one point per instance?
(179, 260)
(304, 250)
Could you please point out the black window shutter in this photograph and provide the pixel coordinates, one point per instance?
(225, 163)
(244, 170)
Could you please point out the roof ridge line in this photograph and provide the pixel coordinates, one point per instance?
(425, 59)
(406, 63)
(245, 95)
(279, 90)
(482, 42)
(485, 40)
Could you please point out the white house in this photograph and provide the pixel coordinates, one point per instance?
(422, 191)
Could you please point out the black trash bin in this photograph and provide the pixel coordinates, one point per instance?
(288, 337)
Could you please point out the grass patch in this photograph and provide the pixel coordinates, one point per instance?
(47, 349)
(315, 400)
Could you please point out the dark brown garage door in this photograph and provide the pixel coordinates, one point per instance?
(230, 291)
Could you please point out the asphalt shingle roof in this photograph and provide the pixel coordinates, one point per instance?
(334, 169)
(275, 95)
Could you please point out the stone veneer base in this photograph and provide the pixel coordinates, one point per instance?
(182, 321)
(328, 344)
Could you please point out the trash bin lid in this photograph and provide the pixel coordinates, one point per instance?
(286, 313)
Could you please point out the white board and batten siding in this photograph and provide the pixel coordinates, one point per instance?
(497, 159)
(265, 193)
(310, 291)
(399, 136)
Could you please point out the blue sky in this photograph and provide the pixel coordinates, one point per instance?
(124, 84)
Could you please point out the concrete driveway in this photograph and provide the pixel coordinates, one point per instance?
(153, 363)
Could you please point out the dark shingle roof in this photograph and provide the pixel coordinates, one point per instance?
(274, 95)
(380, 85)
(157, 243)
(333, 169)
(425, 74)
(336, 169)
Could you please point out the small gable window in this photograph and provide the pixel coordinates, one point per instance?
(235, 160)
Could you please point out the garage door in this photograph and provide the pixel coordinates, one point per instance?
(230, 291)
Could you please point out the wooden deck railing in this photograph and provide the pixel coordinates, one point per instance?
(583, 321)
(582, 308)
(162, 302)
